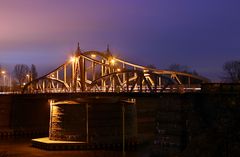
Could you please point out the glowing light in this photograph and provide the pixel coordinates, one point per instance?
(3, 72)
(145, 70)
(51, 102)
(24, 83)
(52, 75)
(93, 55)
(72, 59)
(118, 69)
(27, 75)
(112, 61)
(146, 74)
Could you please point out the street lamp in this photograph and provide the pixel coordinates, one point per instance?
(10, 83)
(4, 78)
(28, 76)
(7, 80)
(4, 82)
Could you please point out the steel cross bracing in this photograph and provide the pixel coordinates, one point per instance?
(94, 71)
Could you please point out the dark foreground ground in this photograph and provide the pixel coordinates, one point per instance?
(23, 148)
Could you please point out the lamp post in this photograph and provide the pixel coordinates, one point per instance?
(4, 78)
(28, 76)
(10, 83)
(4, 82)
(73, 60)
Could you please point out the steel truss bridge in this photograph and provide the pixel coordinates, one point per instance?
(94, 71)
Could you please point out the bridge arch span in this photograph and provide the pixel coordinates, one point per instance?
(92, 71)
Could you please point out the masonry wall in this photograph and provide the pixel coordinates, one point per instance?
(162, 122)
(167, 122)
(23, 115)
(5, 112)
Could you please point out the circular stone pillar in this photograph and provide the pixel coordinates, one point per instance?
(93, 120)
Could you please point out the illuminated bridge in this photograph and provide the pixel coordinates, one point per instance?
(94, 71)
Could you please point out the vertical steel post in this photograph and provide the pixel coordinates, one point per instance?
(103, 85)
(160, 82)
(57, 76)
(189, 82)
(43, 85)
(93, 71)
(113, 82)
(82, 73)
(124, 75)
(155, 82)
(140, 82)
(135, 74)
(65, 73)
(73, 74)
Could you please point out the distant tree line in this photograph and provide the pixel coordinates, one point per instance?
(182, 68)
(231, 71)
(23, 73)
(15, 80)
(177, 67)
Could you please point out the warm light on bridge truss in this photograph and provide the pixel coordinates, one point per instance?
(112, 61)
(94, 71)
(72, 59)
(3, 72)
(146, 74)
(93, 55)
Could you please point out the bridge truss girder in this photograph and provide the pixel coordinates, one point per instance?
(95, 71)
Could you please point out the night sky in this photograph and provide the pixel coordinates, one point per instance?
(202, 34)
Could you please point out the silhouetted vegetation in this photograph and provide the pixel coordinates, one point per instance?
(182, 68)
(232, 71)
(20, 71)
(23, 74)
(33, 72)
(152, 66)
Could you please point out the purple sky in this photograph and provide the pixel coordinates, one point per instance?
(202, 34)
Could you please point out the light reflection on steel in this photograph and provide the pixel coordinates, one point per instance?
(94, 71)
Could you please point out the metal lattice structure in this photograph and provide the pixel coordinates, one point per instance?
(94, 71)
